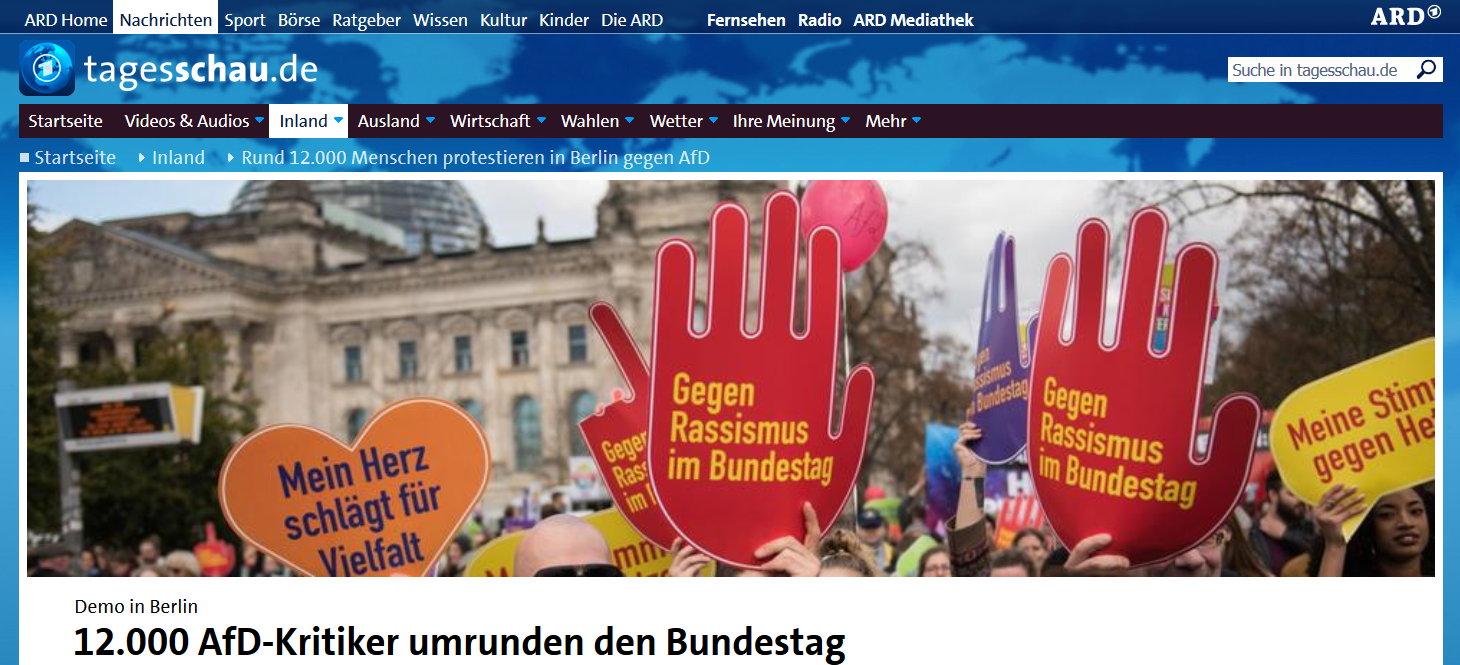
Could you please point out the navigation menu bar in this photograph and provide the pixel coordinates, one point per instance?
(468, 121)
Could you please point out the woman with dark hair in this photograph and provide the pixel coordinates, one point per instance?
(251, 564)
(453, 564)
(1241, 559)
(935, 562)
(1394, 540)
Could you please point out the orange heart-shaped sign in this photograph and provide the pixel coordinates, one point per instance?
(387, 504)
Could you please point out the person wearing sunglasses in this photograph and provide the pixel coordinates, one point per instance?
(563, 546)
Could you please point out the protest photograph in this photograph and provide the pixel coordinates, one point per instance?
(579, 377)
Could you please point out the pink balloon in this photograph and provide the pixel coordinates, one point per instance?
(856, 209)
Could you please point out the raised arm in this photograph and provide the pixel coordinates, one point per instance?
(968, 537)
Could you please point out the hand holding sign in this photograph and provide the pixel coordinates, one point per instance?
(1112, 428)
(617, 435)
(795, 558)
(1001, 383)
(741, 424)
(386, 504)
(1371, 426)
(685, 561)
(1337, 508)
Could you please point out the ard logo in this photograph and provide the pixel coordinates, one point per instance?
(1404, 15)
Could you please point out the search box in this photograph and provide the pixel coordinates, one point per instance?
(1336, 70)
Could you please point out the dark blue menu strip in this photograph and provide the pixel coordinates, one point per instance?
(808, 16)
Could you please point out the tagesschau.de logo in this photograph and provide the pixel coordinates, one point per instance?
(47, 67)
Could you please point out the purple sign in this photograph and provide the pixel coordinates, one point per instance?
(1001, 364)
(1007, 481)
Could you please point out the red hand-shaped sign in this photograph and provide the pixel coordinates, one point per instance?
(1112, 428)
(741, 423)
(618, 436)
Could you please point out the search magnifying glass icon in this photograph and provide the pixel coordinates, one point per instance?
(1426, 67)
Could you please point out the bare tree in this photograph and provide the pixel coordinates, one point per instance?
(918, 378)
(1328, 273)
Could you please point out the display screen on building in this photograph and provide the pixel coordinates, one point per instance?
(152, 414)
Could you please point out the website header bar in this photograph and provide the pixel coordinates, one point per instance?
(717, 16)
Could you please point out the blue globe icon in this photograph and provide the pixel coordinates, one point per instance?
(46, 68)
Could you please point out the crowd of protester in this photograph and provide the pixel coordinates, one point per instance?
(1285, 537)
(56, 559)
(146, 560)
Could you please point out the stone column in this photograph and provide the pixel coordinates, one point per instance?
(626, 300)
(376, 355)
(124, 343)
(232, 332)
(430, 354)
(546, 346)
(497, 426)
(70, 350)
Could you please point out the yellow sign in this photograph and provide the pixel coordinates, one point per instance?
(187, 412)
(628, 550)
(493, 559)
(1370, 426)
